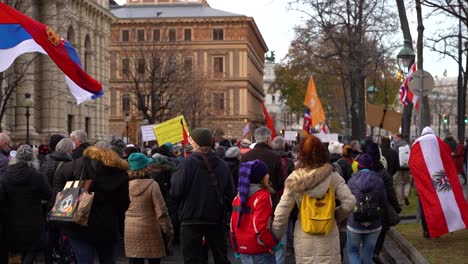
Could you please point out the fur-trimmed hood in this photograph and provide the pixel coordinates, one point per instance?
(108, 157)
(314, 182)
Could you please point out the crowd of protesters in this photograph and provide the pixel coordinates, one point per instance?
(199, 195)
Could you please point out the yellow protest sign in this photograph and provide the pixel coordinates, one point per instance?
(170, 131)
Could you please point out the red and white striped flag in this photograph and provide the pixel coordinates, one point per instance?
(438, 185)
(406, 95)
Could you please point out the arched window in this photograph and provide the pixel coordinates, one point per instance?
(71, 35)
(88, 53)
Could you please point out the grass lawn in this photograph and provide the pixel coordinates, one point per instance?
(450, 248)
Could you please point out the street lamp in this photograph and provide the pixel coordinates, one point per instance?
(28, 103)
(371, 93)
(127, 120)
(406, 56)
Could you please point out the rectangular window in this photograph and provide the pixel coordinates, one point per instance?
(113, 100)
(141, 102)
(218, 34)
(141, 66)
(273, 99)
(125, 66)
(125, 103)
(88, 125)
(218, 101)
(218, 64)
(188, 66)
(188, 34)
(125, 36)
(172, 35)
(70, 123)
(141, 35)
(156, 35)
(172, 64)
(157, 67)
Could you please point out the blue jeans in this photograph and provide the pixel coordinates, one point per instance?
(367, 240)
(85, 252)
(265, 258)
(280, 255)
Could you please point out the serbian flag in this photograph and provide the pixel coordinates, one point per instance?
(438, 185)
(19, 34)
(307, 126)
(269, 121)
(406, 95)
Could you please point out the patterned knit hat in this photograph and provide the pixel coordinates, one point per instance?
(25, 153)
(249, 172)
(364, 161)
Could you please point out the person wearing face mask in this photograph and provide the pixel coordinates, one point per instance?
(5, 145)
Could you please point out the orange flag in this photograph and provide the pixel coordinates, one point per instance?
(313, 103)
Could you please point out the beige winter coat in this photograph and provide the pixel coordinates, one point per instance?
(145, 218)
(314, 182)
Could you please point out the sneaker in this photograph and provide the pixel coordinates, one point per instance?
(377, 259)
(406, 201)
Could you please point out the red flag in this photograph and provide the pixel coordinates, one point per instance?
(269, 121)
(184, 133)
(325, 129)
(406, 95)
(438, 185)
(307, 126)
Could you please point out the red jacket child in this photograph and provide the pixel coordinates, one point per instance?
(252, 211)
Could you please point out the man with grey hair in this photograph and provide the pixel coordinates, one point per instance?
(5, 146)
(80, 139)
(264, 152)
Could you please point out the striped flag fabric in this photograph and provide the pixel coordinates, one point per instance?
(20, 34)
(438, 185)
(406, 95)
(307, 126)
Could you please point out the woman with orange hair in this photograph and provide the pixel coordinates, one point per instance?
(313, 180)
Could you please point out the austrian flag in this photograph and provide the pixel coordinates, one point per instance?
(20, 34)
(438, 185)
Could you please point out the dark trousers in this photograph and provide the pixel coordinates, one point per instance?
(85, 252)
(381, 240)
(142, 261)
(192, 237)
(3, 247)
(29, 256)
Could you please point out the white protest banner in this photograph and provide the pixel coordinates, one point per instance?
(147, 133)
(290, 135)
(327, 137)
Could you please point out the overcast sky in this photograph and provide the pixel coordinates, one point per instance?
(276, 24)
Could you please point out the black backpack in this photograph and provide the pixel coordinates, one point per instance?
(368, 209)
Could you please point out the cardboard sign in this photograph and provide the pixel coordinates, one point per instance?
(147, 133)
(389, 119)
(170, 131)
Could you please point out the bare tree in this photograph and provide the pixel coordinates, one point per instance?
(354, 34)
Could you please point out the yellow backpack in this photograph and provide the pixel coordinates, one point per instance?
(318, 215)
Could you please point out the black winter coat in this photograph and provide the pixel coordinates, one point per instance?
(48, 168)
(389, 190)
(264, 152)
(192, 189)
(23, 189)
(393, 161)
(110, 186)
(78, 152)
(233, 164)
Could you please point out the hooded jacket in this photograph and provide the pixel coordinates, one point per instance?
(366, 181)
(193, 190)
(24, 188)
(253, 234)
(145, 218)
(110, 186)
(314, 183)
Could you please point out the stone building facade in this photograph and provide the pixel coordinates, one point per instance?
(86, 24)
(226, 49)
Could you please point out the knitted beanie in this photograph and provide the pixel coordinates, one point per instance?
(54, 140)
(25, 153)
(335, 147)
(364, 161)
(374, 152)
(233, 152)
(249, 172)
(138, 161)
(202, 136)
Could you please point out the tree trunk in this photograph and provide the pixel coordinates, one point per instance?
(424, 105)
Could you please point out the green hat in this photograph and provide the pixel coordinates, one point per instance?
(138, 161)
(202, 136)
